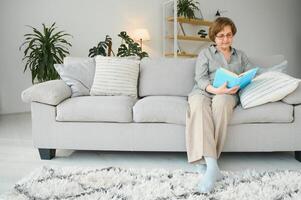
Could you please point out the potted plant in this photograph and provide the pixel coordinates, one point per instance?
(103, 48)
(202, 33)
(42, 50)
(186, 8)
(127, 48)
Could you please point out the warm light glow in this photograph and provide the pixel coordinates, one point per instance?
(141, 34)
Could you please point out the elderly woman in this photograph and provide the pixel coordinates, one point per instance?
(210, 108)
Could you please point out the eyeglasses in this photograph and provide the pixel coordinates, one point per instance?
(221, 36)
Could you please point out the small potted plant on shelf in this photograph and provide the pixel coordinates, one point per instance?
(186, 8)
(202, 33)
(42, 50)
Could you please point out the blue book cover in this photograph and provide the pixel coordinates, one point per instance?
(223, 75)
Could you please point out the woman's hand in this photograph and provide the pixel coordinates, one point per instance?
(222, 89)
(225, 90)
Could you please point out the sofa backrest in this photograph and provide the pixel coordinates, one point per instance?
(173, 76)
(166, 76)
(266, 61)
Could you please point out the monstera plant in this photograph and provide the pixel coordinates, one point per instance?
(103, 48)
(186, 8)
(42, 50)
(127, 48)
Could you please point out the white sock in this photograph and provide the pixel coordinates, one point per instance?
(211, 176)
(201, 168)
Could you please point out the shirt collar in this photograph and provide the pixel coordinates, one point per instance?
(214, 49)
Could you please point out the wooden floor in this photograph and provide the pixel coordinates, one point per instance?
(18, 157)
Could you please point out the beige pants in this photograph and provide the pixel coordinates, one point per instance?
(206, 125)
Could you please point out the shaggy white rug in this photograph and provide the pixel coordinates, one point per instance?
(157, 184)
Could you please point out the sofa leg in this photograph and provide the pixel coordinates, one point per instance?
(298, 155)
(47, 154)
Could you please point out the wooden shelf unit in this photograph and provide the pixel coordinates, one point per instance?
(199, 22)
(179, 44)
(192, 38)
(182, 55)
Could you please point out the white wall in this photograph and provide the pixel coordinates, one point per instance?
(265, 27)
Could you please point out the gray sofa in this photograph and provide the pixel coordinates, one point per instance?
(156, 120)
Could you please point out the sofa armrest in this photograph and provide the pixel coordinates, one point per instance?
(294, 97)
(49, 92)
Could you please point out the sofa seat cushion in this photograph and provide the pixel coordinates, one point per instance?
(96, 108)
(164, 109)
(276, 112)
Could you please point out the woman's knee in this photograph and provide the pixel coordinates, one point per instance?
(198, 101)
(224, 100)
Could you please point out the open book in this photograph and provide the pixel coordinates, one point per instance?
(223, 75)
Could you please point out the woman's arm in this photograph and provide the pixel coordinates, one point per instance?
(203, 80)
(202, 71)
(246, 64)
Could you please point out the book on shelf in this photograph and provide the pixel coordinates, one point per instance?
(223, 75)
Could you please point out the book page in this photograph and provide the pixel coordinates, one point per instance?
(229, 72)
(240, 75)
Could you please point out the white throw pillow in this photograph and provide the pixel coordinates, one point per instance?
(78, 75)
(294, 97)
(115, 76)
(267, 87)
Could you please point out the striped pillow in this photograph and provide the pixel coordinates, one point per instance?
(115, 76)
(267, 87)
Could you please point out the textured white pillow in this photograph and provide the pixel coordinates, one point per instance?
(115, 76)
(267, 87)
(294, 97)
